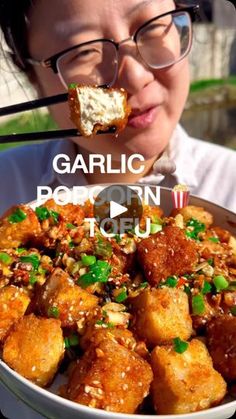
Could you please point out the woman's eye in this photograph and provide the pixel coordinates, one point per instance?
(156, 30)
(86, 53)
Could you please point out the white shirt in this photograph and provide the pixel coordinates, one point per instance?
(209, 171)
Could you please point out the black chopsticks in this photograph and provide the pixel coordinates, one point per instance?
(48, 135)
(33, 104)
(37, 103)
(42, 135)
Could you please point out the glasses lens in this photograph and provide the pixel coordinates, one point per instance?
(93, 63)
(166, 40)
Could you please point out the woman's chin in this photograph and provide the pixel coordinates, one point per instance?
(148, 146)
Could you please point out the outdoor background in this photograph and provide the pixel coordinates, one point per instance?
(210, 112)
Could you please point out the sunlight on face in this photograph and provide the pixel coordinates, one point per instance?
(53, 29)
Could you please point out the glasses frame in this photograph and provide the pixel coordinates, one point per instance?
(51, 62)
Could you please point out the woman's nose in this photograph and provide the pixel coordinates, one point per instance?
(133, 74)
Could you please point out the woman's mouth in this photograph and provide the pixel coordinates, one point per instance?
(143, 119)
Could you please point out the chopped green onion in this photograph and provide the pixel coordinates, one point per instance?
(17, 216)
(191, 234)
(99, 272)
(110, 324)
(103, 248)
(206, 288)
(171, 282)
(180, 346)
(33, 259)
(155, 228)
(198, 305)
(187, 290)
(53, 312)
(55, 216)
(197, 225)
(67, 343)
(88, 260)
(103, 323)
(156, 220)
(70, 226)
(143, 285)
(220, 283)
(101, 269)
(214, 239)
(72, 340)
(117, 238)
(71, 244)
(210, 262)
(72, 86)
(233, 310)
(20, 250)
(100, 322)
(121, 297)
(5, 258)
(32, 279)
(86, 280)
(41, 271)
(44, 213)
(197, 228)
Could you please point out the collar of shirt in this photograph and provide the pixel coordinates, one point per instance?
(179, 150)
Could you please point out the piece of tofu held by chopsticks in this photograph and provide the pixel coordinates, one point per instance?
(97, 108)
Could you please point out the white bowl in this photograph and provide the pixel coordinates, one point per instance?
(52, 406)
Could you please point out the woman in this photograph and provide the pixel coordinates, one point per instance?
(157, 82)
(156, 79)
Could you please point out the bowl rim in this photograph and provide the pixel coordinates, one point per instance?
(94, 411)
(150, 185)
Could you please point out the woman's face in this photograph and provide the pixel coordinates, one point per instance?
(156, 97)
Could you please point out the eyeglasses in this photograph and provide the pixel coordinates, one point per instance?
(160, 43)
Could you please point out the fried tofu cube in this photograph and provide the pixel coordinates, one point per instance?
(34, 348)
(111, 377)
(167, 253)
(187, 382)
(70, 213)
(161, 315)
(154, 213)
(221, 342)
(13, 305)
(96, 333)
(18, 227)
(198, 213)
(60, 295)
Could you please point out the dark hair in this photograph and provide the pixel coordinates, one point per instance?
(14, 27)
(13, 22)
